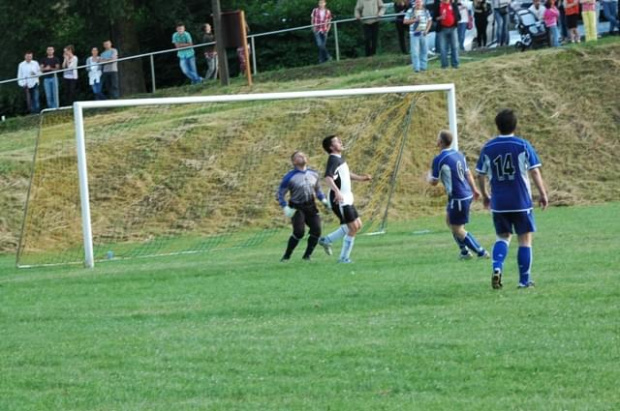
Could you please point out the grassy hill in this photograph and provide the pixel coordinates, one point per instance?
(567, 101)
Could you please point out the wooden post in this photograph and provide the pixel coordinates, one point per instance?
(244, 42)
(219, 44)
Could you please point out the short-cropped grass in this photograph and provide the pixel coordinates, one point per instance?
(407, 326)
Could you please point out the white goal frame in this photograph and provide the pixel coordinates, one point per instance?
(79, 107)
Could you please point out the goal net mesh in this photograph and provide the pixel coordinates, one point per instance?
(186, 178)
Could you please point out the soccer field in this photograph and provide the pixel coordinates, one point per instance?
(407, 326)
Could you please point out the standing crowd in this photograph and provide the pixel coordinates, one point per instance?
(102, 72)
(450, 19)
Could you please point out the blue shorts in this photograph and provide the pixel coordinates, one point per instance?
(522, 221)
(458, 211)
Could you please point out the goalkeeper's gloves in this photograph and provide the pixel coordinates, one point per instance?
(325, 202)
(288, 211)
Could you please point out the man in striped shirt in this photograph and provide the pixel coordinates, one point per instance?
(419, 21)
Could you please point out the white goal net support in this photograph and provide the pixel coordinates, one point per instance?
(149, 177)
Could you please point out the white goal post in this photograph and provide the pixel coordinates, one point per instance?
(79, 108)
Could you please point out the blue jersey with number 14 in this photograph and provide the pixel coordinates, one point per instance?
(506, 160)
(450, 167)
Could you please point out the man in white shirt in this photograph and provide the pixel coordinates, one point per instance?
(28, 73)
(538, 10)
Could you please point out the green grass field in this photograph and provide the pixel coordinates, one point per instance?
(406, 327)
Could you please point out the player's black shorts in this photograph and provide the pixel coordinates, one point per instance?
(346, 214)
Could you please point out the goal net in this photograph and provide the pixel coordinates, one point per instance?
(140, 178)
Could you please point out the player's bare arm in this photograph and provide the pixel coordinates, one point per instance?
(540, 185)
(486, 198)
(362, 177)
(472, 184)
(332, 185)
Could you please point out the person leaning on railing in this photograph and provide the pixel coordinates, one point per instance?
(49, 64)
(28, 73)
(210, 52)
(321, 19)
(400, 7)
(109, 79)
(70, 77)
(370, 11)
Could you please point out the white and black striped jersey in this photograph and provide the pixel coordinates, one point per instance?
(338, 169)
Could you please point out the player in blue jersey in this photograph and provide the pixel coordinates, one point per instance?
(506, 161)
(303, 185)
(450, 167)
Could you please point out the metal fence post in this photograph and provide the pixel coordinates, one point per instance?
(253, 55)
(153, 74)
(56, 91)
(336, 40)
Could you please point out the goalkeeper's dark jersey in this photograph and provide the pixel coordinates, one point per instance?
(303, 186)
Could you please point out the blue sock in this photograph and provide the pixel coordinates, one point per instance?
(338, 234)
(470, 241)
(461, 244)
(524, 258)
(347, 246)
(500, 252)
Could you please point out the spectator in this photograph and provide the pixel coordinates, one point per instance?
(588, 15)
(210, 52)
(482, 10)
(462, 25)
(500, 13)
(50, 83)
(94, 73)
(370, 11)
(610, 10)
(537, 10)
(447, 17)
(572, 18)
(70, 77)
(28, 73)
(400, 6)
(562, 20)
(321, 18)
(551, 22)
(187, 59)
(242, 60)
(109, 79)
(419, 22)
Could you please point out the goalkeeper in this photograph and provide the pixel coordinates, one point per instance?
(303, 184)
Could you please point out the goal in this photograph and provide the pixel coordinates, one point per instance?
(149, 177)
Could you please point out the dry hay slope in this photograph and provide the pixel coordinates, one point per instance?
(567, 101)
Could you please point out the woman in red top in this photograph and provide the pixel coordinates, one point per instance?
(447, 15)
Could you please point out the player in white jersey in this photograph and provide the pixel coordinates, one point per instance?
(338, 177)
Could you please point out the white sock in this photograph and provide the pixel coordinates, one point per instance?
(347, 246)
(338, 234)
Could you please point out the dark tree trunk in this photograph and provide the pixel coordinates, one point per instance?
(131, 72)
